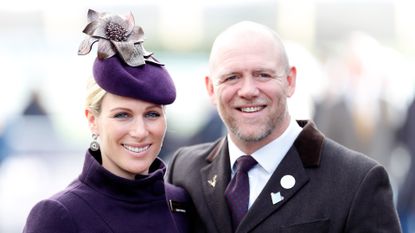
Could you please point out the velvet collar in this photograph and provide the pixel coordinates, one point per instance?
(144, 188)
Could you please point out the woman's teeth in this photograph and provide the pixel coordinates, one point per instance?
(136, 149)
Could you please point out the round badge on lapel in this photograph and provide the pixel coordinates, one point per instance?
(287, 181)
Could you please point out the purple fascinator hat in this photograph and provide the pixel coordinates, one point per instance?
(123, 67)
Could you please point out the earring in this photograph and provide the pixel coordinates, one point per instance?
(94, 146)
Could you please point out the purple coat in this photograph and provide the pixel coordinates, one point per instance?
(100, 202)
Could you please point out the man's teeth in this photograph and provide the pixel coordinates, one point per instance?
(251, 109)
(136, 149)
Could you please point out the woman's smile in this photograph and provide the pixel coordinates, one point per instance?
(136, 149)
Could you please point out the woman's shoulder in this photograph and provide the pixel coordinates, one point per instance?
(49, 215)
(68, 195)
(181, 207)
(63, 212)
(178, 199)
(176, 193)
(56, 208)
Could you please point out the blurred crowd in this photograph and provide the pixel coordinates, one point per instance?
(360, 93)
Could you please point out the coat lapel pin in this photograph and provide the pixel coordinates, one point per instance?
(212, 181)
(287, 181)
(276, 197)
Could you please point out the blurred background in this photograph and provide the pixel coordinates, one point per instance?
(355, 61)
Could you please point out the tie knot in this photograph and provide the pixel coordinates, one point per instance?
(245, 163)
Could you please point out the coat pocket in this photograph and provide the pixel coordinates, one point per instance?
(317, 226)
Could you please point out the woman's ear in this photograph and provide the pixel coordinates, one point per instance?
(92, 120)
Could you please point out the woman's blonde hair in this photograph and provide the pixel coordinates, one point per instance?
(94, 96)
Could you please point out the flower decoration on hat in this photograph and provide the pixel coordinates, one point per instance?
(115, 34)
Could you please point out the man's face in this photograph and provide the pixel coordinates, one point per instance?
(250, 88)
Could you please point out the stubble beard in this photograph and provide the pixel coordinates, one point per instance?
(260, 129)
(256, 135)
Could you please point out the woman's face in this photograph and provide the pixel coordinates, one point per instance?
(130, 133)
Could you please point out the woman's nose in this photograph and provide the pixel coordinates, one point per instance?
(138, 129)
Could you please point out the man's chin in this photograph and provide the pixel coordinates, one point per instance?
(251, 136)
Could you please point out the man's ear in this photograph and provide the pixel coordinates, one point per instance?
(291, 81)
(92, 120)
(210, 89)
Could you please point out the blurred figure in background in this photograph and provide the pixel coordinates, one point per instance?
(357, 110)
(406, 197)
(34, 106)
(212, 129)
(33, 131)
(4, 151)
(32, 148)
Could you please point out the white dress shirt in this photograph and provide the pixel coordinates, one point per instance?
(268, 158)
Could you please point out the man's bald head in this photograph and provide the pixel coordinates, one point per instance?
(248, 33)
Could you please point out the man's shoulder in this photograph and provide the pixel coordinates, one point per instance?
(315, 148)
(188, 160)
(198, 150)
(339, 155)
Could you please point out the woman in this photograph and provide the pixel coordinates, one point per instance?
(121, 187)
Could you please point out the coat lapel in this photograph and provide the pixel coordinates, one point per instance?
(276, 193)
(304, 153)
(215, 177)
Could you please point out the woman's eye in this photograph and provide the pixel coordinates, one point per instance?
(121, 115)
(153, 115)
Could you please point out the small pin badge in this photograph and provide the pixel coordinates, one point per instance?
(287, 181)
(212, 181)
(276, 197)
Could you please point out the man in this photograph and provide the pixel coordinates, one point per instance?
(303, 181)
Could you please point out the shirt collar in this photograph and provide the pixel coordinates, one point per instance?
(270, 155)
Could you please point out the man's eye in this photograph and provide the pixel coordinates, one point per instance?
(153, 115)
(229, 79)
(265, 75)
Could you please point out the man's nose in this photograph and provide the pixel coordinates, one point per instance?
(248, 88)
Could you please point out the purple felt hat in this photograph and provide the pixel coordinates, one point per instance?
(123, 67)
(149, 82)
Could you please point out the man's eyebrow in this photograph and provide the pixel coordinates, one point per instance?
(228, 74)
